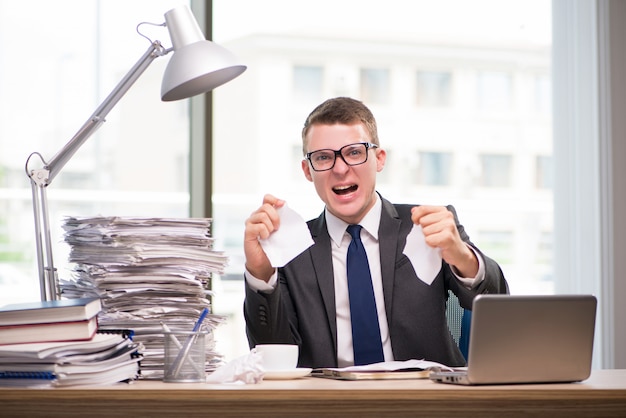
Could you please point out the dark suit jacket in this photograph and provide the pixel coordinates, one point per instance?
(302, 308)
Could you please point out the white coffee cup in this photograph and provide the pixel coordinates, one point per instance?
(278, 356)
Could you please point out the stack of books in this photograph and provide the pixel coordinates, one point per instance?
(107, 358)
(58, 343)
(49, 321)
(148, 272)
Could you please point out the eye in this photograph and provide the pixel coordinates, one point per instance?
(322, 156)
(354, 151)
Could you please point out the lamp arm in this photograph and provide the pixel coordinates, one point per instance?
(56, 163)
(41, 178)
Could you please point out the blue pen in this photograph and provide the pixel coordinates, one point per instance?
(184, 353)
(198, 324)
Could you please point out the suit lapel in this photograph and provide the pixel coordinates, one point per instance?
(388, 243)
(322, 263)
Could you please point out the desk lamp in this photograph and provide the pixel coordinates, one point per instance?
(197, 66)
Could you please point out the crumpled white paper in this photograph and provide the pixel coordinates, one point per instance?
(289, 240)
(246, 369)
(425, 259)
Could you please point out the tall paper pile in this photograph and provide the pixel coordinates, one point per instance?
(147, 271)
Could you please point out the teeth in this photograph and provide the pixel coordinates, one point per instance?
(342, 187)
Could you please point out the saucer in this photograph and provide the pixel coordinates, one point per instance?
(286, 374)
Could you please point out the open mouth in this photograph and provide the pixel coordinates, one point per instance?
(345, 189)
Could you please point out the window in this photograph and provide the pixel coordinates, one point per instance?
(136, 164)
(435, 168)
(544, 172)
(496, 170)
(400, 58)
(542, 97)
(494, 90)
(308, 83)
(375, 85)
(434, 88)
(545, 248)
(498, 244)
(296, 154)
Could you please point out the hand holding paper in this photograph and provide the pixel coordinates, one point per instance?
(288, 241)
(426, 260)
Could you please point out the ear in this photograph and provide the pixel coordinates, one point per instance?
(381, 157)
(306, 168)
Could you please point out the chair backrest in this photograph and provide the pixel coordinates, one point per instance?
(459, 321)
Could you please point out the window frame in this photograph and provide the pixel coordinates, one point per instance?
(588, 38)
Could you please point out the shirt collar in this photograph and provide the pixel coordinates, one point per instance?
(371, 221)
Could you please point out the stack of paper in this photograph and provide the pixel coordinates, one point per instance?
(147, 271)
(109, 357)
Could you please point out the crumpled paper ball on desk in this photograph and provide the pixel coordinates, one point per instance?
(242, 370)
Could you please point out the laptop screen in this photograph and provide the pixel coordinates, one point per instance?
(531, 338)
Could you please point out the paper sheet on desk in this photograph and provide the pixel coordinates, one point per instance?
(425, 259)
(389, 366)
(289, 240)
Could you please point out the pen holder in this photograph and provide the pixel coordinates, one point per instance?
(184, 356)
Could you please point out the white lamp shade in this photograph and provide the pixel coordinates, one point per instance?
(198, 65)
(198, 68)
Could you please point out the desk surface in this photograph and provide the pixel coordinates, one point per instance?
(603, 394)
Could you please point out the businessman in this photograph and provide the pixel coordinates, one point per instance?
(354, 297)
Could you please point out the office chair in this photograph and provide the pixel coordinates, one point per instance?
(459, 321)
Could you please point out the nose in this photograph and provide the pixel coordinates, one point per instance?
(340, 164)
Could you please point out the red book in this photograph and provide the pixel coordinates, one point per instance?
(49, 332)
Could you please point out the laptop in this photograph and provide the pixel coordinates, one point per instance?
(527, 339)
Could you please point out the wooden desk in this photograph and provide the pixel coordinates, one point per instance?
(602, 395)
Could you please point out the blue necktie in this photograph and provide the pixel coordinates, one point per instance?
(365, 330)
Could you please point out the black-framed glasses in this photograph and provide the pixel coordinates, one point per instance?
(351, 154)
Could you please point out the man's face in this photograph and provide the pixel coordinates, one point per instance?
(347, 191)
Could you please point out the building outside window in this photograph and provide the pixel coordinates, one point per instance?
(494, 90)
(434, 88)
(375, 85)
(435, 168)
(454, 107)
(308, 83)
(545, 172)
(496, 170)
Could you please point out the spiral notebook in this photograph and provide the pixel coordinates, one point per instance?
(109, 357)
